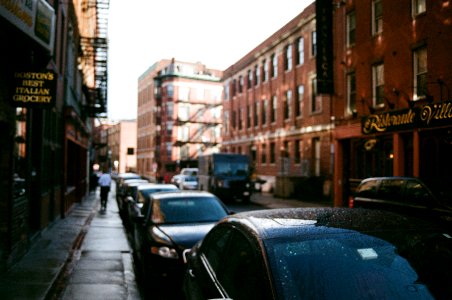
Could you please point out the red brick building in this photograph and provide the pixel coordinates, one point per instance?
(393, 75)
(179, 117)
(273, 113)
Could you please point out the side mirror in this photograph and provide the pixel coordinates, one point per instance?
(129, 199)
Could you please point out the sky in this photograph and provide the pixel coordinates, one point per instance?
(215, 33)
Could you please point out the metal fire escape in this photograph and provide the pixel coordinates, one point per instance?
(95, 53)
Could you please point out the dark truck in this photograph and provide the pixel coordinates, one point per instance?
(226, 175)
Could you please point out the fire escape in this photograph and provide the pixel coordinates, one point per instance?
(94, 51)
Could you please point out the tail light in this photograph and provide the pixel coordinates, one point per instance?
(350, 201)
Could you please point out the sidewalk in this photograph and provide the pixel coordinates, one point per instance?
(84, 256)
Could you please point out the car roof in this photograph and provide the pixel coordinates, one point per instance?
(391, 178)
(148, 185)
(181, 193)
(282, 222)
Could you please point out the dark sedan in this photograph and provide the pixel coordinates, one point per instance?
(170, 223)
(321, 253)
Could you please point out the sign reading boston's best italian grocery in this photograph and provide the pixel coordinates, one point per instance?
(426, 116)
(34, 89)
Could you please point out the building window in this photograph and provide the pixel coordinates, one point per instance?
(315, 100)
(263, 153)
(256, 74)
(351, 93)
(169, 109)
(420, 73)
(378, 85)
(234, 119)
(256, 113)
(274, 66)
(169, 149)
(300, 51)
(288, 60)
(351, 28)
(241, 84)
(265, 75)
(264, 111)
(272, 153)
(169, 128)
(298, 145)
(377, 17)
(240, 118)
(288, 105)
(419, 7)
(273, 109)
(316, 144)
(184, 112)
(226, 122)
(314, 43)
(249, 116)
(249, 83)
(170, 91)
(184, 133)
(226, 92)
(299, 103)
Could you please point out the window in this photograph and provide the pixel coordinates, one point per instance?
(420, 73)
(184, 112)
(169, 127)
(377, 17)
(184, 133)
(288, 60)
(299, 104)
(274, 66)
(351, 93)
(288, 105)
(226, 122)
(170, 91)
(226, 92)
(351, 28)
(316, 143)
(265, 75)
(169, 109)
(256, 113)
(169, 149)
(240, 118)
(249, 116)
(378, 84)
(273, 108)
(240, 84)
(256, 74)
(249, 83)
(315, 99)
(300, 51)
(314, 43)
(272, 153)
(419, 7)
(298, 146)
(263, 153)
(264, 111)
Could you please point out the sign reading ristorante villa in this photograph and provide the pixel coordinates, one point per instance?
(37, 89)
(428, 115)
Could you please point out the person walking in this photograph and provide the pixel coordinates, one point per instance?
(105, 183)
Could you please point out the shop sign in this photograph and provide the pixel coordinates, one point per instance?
(34, 89)
(426, 116)
(324, 40)
(36, 18)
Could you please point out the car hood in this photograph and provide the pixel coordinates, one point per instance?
(186, 235)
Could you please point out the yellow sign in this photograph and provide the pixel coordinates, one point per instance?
(34, 89)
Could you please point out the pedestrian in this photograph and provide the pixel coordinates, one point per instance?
(104, 182)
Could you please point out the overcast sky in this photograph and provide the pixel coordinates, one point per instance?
(216, 33)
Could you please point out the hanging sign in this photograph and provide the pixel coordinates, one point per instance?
(34, 89)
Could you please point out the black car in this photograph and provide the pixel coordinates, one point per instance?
(170, 223)
(404, 195)
(321, 253)
(122, 190)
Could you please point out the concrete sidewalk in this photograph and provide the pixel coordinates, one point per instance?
(84, 256)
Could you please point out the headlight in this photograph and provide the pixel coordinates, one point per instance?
(220, 183)
(165, 252)
(247, 185)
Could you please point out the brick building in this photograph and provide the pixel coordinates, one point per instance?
(273, 113)
(122, 144)
(179, 116)
(392, 102)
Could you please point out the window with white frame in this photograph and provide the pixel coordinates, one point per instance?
(299, 104)
(184, 112)
(274, 65)
(314, 43)
(288, 60)
(170, 91)
(184, 133)
(257, 74)
(249, 82)
(418, 7)
(351, 93)
(169, 109)
(169, 128)
(226, 95)
(265, 75)
(263, 153)
(351, 28)
(226, 121)
(377, 17)
(264, 111)
(288, 105)
(378, 85)
(184, 93)
(256, 113)
(273, 109)
(420, 72)
(241, 82)
(316, 104)
(300, 51)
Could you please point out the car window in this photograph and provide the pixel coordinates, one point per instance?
(186, 210)
(214, 246)
(391, 190)
(367, 189)
(416, 193)
(149, 191)
(241, 275)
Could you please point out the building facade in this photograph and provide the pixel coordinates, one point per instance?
(179, 117)
(392, 102)
(122, 145)
(272, 111)
(48, 94)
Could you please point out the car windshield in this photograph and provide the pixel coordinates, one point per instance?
(191, 179)
(231, 168)
(349, 265)
(187, 210)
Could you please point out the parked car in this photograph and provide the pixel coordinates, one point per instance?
(124, 176)
(170, 223)
(188, 183)
(184, 172)
(401, 194)
(121, 192)
(321, 253)
(136, 195)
